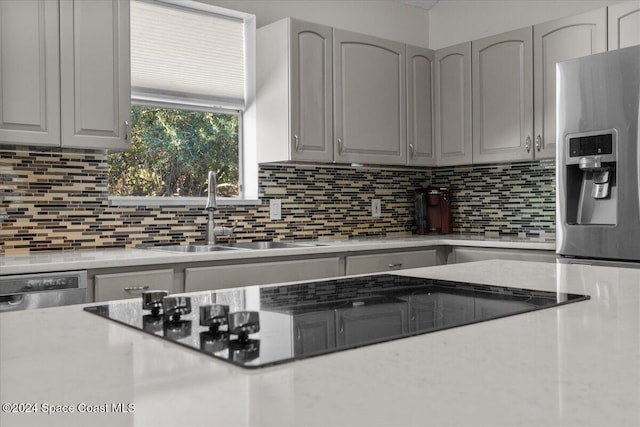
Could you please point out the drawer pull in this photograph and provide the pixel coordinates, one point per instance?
(136, 288)
(397, 266)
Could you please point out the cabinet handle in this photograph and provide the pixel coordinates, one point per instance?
(136, 288)
(527, 144)
(397, 266)
(340, 146)
(127, 130)
(298, 334)
(296, 142)
(538, 143)
(412, 150)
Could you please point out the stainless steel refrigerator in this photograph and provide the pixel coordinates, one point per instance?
(598, 157)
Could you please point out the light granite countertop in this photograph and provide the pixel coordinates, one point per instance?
(573, 365)
(106, 258)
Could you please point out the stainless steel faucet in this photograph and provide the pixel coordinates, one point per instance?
(210, 207)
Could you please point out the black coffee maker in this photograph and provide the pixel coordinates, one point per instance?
(433, 210)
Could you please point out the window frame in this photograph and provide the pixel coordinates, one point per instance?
(247, 169)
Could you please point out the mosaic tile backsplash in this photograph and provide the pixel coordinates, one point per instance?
(51, 200)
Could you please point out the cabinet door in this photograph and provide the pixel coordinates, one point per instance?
(453, 105)
(131, 285)
(423, 313)
(95, 74)
(314, 333)
(554, 42)
(369, 99)
(502, 74)
(624, 25)
(420, 111)
(231, 276)
(362, 264)
(455, 309)
(311, 92)
(29, 73)
(368, 324)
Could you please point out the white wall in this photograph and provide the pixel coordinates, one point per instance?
(457, 21)
(381, 18)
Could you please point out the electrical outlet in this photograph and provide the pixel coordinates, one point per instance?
(275, 209)
(376, 207)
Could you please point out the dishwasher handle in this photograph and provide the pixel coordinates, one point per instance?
(10, 302)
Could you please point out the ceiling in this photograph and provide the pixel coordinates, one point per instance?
(424, 4)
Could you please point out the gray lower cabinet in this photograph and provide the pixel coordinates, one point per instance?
(454, 309)
(390, 261)
(423, 314)
(459, 255)
(116, 286)
(260, 273)
(314, 333)
(362, 324)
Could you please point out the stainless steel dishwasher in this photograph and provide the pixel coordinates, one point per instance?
(29, 291)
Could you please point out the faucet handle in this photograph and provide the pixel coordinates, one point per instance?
(224, 231)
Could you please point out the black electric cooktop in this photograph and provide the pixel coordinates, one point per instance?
(259, 326)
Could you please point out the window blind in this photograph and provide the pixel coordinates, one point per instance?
(184, 54)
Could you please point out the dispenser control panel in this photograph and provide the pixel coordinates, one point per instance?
(590, 145)
(599, 145)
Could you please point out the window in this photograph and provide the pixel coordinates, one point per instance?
(173, 149)
(190, 72)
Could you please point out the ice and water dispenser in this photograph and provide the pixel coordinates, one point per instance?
(591, 178)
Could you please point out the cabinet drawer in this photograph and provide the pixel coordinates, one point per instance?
(362, 264)
(130, 285)
(230, 276)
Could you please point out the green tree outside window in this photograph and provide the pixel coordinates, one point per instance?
(171, 152)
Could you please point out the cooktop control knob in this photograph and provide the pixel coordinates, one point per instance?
(243, 323)
(175, 307)
(214, 316)
(152, 300)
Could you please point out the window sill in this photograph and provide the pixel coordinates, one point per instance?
(177, 201)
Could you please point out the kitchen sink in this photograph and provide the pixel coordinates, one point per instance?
(193, 248)
(232, 246)
(271, 245)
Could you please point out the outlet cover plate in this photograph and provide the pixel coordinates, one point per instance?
(376, 207)
(275, 209)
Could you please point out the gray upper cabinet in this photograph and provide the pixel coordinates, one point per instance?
(95, 74)
(624, 25)
(311, 95)
(420, 107)
(502, 75)
(369, 99)
(453, 140)
(29, 73)
(554, 42)
(65, 73)
(294, 92)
